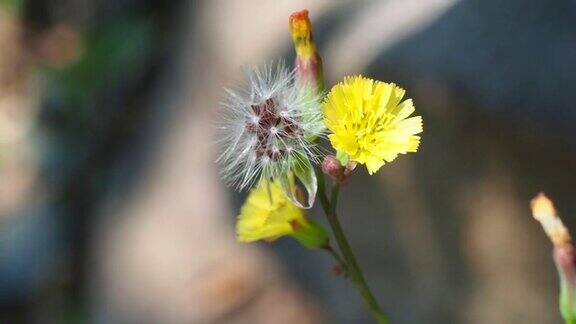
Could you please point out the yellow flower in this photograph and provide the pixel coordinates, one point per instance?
(369, 122)
(267, 215)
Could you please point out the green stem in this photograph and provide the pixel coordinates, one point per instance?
(325, 206)
(322, 190)
(352, 267)
(337, 257)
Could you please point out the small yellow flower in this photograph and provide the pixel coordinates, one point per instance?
(268, 215)
(369, 122)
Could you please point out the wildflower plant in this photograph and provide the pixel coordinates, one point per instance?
(270, 136)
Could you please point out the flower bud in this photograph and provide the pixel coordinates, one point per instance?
(543, 211)
(308, 63)
(333, 167)
(564, 256)
(350, 166)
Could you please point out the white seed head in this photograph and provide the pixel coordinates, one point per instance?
(269, 127)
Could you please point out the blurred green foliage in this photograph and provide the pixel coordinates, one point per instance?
(108, 56)
(11, 4)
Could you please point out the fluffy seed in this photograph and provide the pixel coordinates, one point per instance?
(269, 127)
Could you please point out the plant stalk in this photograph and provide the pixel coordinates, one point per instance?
(352, 267)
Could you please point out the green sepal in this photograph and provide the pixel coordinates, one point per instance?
(342, 157)
(311, 235)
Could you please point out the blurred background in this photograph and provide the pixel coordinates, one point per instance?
(112, 210)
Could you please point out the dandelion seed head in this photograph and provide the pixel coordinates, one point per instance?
(268, 127)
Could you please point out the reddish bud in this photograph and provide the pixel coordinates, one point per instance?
(332, 167)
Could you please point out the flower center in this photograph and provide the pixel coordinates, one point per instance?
(273, 128)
